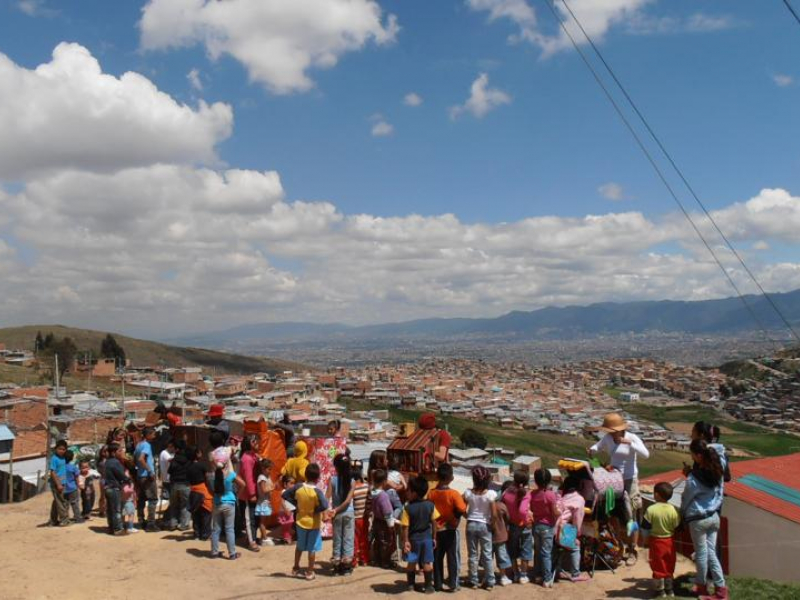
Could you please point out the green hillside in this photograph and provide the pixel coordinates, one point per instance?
(145, 353)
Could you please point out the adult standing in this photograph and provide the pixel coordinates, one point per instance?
(428, 421)
(248, 495)
(623, 448)
(146, 480)
(701, 503)
(216, 420)
(179, 488)
(59, 511)
(164, 461)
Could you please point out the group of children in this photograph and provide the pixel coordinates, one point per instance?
(377, 517)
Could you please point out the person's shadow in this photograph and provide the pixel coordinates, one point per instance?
(643, 588)
(398, 587)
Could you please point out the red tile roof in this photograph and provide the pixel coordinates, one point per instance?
(780, 469)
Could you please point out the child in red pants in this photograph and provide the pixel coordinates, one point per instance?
(660, 522)
(360, 495)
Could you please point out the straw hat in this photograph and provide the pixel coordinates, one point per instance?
(613, 422)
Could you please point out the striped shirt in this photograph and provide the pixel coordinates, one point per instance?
(360, 493)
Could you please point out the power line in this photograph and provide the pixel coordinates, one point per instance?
(793, 11)
(550, 4)
(680, 172)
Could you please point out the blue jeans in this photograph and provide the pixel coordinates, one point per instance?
(223, 518)
(571, 560)
(344, 535)
(543, 545)
(479, 547)
(502, 558)
(704, 537)
(520, 543)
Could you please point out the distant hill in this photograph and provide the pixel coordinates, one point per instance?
(145, 353)
(725, 316)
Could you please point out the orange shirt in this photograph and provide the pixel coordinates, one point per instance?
(449, 504)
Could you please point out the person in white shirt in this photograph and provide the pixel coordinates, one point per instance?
(623, 448)
(164, 460)
(479, 501)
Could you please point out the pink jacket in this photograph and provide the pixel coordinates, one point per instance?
(571, 507)
(518, 508)
(247, 472)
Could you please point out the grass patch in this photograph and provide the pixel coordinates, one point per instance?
(750, 438)
(549, 446)
(750, 588)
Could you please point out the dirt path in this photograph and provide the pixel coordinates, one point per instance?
(83, 562)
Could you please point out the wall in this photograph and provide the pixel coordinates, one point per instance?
(761, 544)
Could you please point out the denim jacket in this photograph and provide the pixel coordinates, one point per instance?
(702, 496)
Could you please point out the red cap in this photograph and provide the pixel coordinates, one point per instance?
(216, 410)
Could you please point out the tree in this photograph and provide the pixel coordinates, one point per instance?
(49, 340)
(471, 438)
(109, 348)
(39, 344)
(64, 348)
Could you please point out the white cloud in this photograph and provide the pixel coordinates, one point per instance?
(382, 129)
(760, 245)
(782, 80)
(518, 11)
(69, 114)
(277, 41)
(646, 24)
(482, 99)
(35, 8)
(611, 191)
(194, 80)
(412, 99)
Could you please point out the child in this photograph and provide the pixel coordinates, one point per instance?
(660, 522)
(500, 523)
(571, 505)
(224, 511)
(247, 520)
(544, 510)
(340, 494)
(86, 477)
(517, 499)
(264, 506)
(71, 492)
(360, 493)
(419, 531)
(479, 502)
(114, 479)
(201, 500)
(383, 544)
(451, 508)
(311, 504)
(296, 466)
(286, 514)
(59, 510)
(129, 504)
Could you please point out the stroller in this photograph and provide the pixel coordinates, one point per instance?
(605, 496)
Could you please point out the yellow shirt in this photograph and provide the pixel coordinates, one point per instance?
(308, 499)
(663, 519)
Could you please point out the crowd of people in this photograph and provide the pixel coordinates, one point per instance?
(527, 531)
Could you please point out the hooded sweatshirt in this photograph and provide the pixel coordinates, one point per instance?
(296, 467)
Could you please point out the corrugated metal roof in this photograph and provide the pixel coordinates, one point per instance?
(781, 470)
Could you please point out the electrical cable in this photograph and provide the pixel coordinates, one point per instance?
(550, 4)
(689, 187)
(793, 11)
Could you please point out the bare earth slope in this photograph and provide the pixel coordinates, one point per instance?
(146, 353)
(81, 561)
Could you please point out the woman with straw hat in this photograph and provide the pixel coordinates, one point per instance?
(623, 447)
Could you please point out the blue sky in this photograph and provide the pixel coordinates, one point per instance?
(719, 81)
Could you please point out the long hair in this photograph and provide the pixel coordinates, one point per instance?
(377, 460)
(521, 482)
(481, 478)
(542, 478)
(343, 477)
(710, 460)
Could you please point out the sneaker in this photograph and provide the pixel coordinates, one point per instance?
(429, 589)
(120, 532)
(268, 542)
(523, 579)
(547, 584)
(488, 587)
(504, 581)
(133, 530)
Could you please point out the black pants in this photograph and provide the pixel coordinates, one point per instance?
(147, 490)
(114, 509)
(446, 547)
(246, 520)
(201, 518)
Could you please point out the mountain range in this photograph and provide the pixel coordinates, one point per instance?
(705, 317)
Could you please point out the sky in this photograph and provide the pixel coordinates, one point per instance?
(179, 166)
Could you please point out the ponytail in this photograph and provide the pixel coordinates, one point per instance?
(711, 461)
(219, 482)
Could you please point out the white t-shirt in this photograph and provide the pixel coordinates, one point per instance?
(163, 464)
(479, 506)
(623, 456)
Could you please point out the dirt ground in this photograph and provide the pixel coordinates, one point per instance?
(82, 561)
